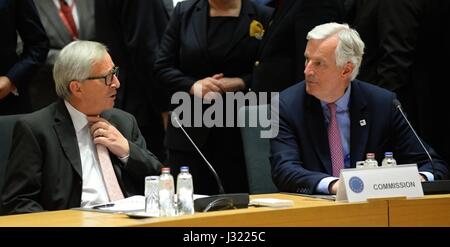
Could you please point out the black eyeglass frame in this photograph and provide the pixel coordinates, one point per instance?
(108, 81)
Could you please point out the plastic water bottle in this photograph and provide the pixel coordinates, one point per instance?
(152, 195)
(360, 164)
(370, 161)
(185, 192)
(388, 160)
(166, 193)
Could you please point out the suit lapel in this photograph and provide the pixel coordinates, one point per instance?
(317, 131)
(359, 124)
(200, 25)
(82, 12)
(67, 138)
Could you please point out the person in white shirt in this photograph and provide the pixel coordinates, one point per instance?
(54, 162)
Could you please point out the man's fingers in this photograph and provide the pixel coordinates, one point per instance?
(218, 76)
(213, 88)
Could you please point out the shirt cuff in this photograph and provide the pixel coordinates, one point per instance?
(124, 159)
(324, 184)
(429, 175)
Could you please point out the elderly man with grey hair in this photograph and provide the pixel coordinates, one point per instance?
(330, 120)
(78, 151)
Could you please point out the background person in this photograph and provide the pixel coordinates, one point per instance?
(208, 47)
(19, 17)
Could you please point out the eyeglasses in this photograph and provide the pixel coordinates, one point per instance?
(108, 78)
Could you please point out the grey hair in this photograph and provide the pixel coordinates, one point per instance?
(74, 62)
(350, 47)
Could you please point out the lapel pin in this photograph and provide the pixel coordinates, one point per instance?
(362, 122)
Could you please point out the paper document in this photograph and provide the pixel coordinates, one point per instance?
(325, 197)
(129, 204)
(271, 202)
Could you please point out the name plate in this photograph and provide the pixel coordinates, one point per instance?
(357, 185)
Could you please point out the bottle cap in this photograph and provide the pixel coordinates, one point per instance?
(370, 155)
(390, 154)
(184, 169)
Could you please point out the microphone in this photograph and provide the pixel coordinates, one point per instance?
(429, 187)
(216, 202)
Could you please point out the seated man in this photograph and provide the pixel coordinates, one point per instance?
(59, 155)
(330, 120)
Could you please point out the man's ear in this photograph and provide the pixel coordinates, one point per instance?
(348, 69)
(74, 87)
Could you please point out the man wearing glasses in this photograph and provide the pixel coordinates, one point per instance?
(78, 151)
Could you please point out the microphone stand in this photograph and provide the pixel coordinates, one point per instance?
(429, 187)
(216, 202)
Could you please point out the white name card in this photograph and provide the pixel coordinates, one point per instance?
(357, 185)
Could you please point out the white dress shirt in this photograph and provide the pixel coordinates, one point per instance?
(175, 2)
(94, 189)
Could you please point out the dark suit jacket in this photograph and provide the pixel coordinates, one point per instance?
(280, 62)
(44, 170)
(183, 57)
(300, 154)
(20, 16)
(132, 31)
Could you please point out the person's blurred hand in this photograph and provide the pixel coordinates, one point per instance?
(6, 86)
(231, 84)
(207, 88)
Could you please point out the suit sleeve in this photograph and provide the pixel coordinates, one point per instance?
(141, 162)
(23, 173)
(288, 171)
(35, 42)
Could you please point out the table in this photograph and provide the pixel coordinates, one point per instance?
(305, 212)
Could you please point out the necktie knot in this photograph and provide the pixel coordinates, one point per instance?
(332, 108)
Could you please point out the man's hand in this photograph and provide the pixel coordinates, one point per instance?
(207, 88)
(423, 178)
(333, 187)
(6, 86)
(106, 134)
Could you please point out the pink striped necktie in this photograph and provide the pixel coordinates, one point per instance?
(109, 176)
(334, 140)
